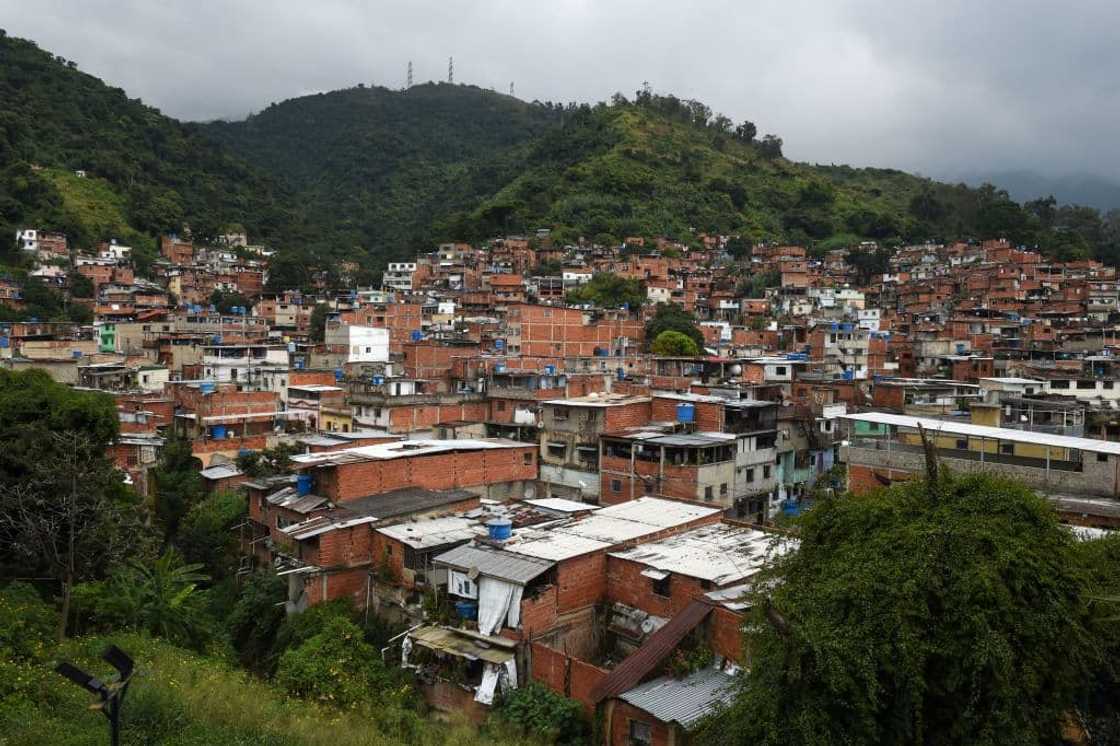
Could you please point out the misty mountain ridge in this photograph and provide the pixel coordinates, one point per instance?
(1075, 188)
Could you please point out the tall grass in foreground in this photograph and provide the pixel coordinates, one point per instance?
(179, 698)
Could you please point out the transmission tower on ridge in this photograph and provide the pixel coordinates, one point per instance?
(511, 88)
(450, 69)
(409, 83)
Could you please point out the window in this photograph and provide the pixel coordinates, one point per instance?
(1007, 449)
(766, 472)
(1086, 384)
(661, 585)
(780, 370)
(723, 490)
(1102, 457)
(527, 458)
(1059, 384)
(560, 413)
(616, 485)
(1104, 384)
(750, 475)
(501, 405)
(708, 493)
(962, 444)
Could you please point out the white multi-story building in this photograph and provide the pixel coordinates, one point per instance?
(363, 344)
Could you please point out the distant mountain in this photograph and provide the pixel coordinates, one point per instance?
(146, 173)
(378, 167)
(370, 174)
(1075, 189)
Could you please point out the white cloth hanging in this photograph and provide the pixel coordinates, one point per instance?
(485, 692)
(494, 598)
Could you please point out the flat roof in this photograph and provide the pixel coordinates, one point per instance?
(1011, 380)
(560, 505)
(596, 400)
(606, 527)
(720, 553)
(403, 449)
(984, 431)
(686, 701)
(434, 532)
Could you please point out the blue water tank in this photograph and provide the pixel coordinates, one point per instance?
(75, 354)
(686, 413)
(499, 529)
(216, 339)
(378, 380)
(500, 368)
(299, 365)
(621, 373)
(416, 336)
(303, 484)
(960, 348)
(499, 344)
(244, 451)
(206, 387)
(338, 374)
(466, 609)
(849, 375)
(550, 370)
(218, 432)
(4, 342)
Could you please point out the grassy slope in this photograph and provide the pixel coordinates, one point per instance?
(658, 177)
(179, 698)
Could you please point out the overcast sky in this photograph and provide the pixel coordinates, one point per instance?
(940, 87)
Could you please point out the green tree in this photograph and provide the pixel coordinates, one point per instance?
(81, 286)
(318, 330)
(608, 290)
(671, 317)
(674, 344)
(225, 301)
(160, 597)
(206, 535)
(177, 484)
(545, 714)
(942, 613)
(256, 619)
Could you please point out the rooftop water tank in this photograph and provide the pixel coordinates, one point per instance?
(686, 413)
(218, 432)
(206, 387)
(303, 484)
(500, 529)
(338, 374)
(500, 368)
(550, 370)
(378, 380)
(621, 373)
(416, 336)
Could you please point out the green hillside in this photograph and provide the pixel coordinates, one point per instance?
(377, 167)
(371, 174)
(146, 169)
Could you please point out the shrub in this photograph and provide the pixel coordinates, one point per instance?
(542, 712)
(27, 624)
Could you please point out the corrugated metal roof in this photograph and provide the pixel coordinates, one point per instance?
(654, 650)
(685, 701)
(495, 563)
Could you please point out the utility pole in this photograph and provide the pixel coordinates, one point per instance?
(451, 70)
(511, 88)
(409, 83)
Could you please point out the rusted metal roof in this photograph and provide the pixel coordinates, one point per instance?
(660, 644)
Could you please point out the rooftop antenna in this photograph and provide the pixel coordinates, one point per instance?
(409, 84)
(511, 88)
(450, 69)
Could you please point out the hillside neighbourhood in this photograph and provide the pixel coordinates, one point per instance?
(565, 464)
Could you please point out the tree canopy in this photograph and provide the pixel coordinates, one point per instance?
(671, 317)
(674, 344)
(949, 614)
(608, 290)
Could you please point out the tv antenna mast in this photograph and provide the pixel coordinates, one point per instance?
(409, 84)
(511, 88)
(450, 69)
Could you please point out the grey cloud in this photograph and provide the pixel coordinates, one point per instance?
(939, 87)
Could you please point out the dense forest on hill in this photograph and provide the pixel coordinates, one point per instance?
(371, 174)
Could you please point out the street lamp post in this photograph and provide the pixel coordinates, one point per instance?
(111, 693)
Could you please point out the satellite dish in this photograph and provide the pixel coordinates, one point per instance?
(648, 625)
(472, 573)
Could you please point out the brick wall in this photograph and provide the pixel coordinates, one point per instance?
(709, 415)
(621, 715)
(621, 417)
(436, 472)
(725, 633)
(627, 585)
(565, 675)
(581, 581)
